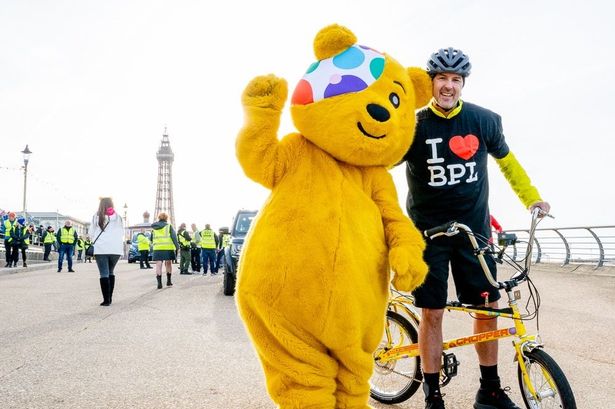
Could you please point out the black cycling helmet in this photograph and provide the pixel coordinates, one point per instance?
(449, 60)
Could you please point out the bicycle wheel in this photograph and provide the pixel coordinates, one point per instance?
(395, 381)
(548, 380)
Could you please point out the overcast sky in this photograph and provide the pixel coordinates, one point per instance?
(90, 86)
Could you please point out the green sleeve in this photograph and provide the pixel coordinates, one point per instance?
(519, 180)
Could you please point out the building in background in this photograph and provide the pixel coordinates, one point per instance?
(145, 227)
(56, 220)
(164, 188)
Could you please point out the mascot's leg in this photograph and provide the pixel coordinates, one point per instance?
(299, 371)
(355, 369)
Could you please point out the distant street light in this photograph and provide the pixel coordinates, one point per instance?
(126, 236)
(125, 219)
(26, 158)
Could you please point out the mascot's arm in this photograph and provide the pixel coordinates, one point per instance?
(519, 180)
(405, 242)
(257, 147)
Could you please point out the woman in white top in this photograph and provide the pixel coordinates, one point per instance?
(107, 229)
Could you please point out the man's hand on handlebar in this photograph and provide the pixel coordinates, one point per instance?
(543, 207)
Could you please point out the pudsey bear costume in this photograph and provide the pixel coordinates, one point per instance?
(314, 274)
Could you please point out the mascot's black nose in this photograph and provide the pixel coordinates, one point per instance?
(379, 113)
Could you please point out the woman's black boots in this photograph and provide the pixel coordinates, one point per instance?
(111, 286)
(104, 288)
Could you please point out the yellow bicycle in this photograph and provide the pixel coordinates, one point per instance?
(397, 370)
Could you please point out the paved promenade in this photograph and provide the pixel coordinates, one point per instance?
(185, 347)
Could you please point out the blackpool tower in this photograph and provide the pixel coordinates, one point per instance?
(164, 189)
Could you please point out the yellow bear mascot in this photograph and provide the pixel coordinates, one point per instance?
(313, 278)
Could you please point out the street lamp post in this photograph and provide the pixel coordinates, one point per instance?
(126, 218)
(126, 235)
(26, 158)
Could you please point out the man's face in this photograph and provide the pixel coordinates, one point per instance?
(446, 89)
(67, 223)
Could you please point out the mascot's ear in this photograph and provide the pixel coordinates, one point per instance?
(332, 40)
(422, 86)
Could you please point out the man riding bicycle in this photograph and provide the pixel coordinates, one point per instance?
(447, 179)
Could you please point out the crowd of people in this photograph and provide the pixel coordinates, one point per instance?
(201, 249)
(18, 236)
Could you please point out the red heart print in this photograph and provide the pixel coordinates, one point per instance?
(464, 146)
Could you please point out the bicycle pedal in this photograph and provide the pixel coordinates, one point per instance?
(450, 364)
(449, 367)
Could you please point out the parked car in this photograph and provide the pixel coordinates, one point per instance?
(133, 251)
(241, 225)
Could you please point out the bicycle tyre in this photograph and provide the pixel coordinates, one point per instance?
(390, 384)
(539, 365)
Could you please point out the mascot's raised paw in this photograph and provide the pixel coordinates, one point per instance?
(266, 91)
(409, 267)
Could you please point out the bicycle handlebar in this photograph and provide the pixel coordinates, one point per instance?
(431, 233)
(452, 228)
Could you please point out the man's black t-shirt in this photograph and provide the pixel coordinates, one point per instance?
(447, 167)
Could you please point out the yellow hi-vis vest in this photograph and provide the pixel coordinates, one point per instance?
(23, 233)
(207, 239)
(67, 236)
(162, 239)
(79, 244)
(8, 227)
(49, 238)
(226, 239)
(142, 242)
(182, 240)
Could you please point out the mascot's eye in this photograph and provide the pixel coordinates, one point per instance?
(394, 98)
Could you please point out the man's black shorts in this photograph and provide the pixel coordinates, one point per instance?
(470, 281)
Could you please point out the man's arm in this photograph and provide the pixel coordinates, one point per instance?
(521, 183)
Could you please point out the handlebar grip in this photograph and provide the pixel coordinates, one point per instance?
(438, 229)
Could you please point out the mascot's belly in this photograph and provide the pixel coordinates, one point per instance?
(318, 246)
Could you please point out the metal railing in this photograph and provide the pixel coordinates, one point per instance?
(594, 245)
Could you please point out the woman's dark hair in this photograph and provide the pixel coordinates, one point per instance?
(105, 202)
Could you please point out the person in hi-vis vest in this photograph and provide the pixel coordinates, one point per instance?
(143, 246)
(49, 238)
(195, 250)
(80, 247)
(67, 237)
(224, 239)
(7, 227)
(165, 245)
(184, 239)
(209, 242)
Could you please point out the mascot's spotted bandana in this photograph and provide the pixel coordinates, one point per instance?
(314, 274)
(351, 71)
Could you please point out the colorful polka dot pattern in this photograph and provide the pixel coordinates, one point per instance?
(352, 70)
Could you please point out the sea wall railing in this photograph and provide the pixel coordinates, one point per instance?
(593, 245)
